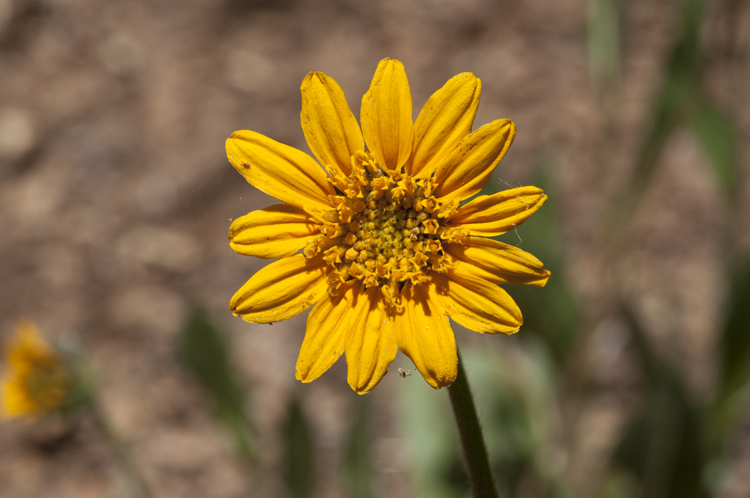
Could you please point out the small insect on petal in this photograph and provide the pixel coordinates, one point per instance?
(404, 372)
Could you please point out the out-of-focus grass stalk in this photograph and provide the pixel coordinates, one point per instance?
(86, 396)
(673, 433)
(299, 456)
(134, 476)
(472, 441)
(603, 41)
(204, 351)
(677, 94)
(357, 465)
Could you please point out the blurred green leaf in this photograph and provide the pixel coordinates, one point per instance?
(431, 437)
(663, 446)
(204, 351)
(299, 452)
(550, 313)
(682, 101)
(513, 390)
(677, 93)
(736, 338)
(358, 462)
(718, 136)
(734, 376)
(603, 40)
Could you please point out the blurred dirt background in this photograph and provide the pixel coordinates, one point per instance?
(116, 197)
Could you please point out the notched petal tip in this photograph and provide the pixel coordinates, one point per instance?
(313, 74)
(547, 275)
(442, 383)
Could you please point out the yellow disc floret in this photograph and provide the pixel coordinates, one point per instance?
(385, 228)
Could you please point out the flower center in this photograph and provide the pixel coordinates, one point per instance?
(47, 384)
(385, 228)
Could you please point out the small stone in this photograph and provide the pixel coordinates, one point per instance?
(17, 135)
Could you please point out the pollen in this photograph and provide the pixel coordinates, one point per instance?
(387, 229)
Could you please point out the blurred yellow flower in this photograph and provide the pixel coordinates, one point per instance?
(38, 379)
(389, 251)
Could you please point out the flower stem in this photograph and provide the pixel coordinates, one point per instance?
(472, 440)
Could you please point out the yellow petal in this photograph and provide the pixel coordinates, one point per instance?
(281, 290)
(327, 324)
(370, 341)
(28, 349)
(425, 335)
(330, 128)
(38, 380)
(499, 263)
(444, 120)
(386, 115)
(469, 167)
(491, 215)
(475, 303)
(281, 171)
(274, 232)
(15, 401)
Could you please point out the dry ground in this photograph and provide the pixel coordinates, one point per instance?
(116, 196)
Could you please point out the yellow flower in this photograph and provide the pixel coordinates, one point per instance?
(38, 380)
(389, 251)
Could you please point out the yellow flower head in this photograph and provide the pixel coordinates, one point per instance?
(389, 251)
(38, 379)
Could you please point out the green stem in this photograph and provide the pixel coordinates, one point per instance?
(472, 440)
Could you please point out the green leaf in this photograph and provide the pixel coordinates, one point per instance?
(734, 374)
(513, 390)
(551, 313)
(677, 94)
(358, 462)
(663, 445)
(203, 349)
(718, 136)
(431, 438)
(299, 452)
(603, 40)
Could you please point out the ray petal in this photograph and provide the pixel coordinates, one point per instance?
(386, 115)
(426, 337)
(499, 263)
(330, 128)
(469, 167)
(370, 343)
(327, 324)
(277, 231)
(281, 171)
(475, 303)
(445, 119)
(491, 215)
(281, 289)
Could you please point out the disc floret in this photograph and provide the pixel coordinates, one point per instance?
(384, 228)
